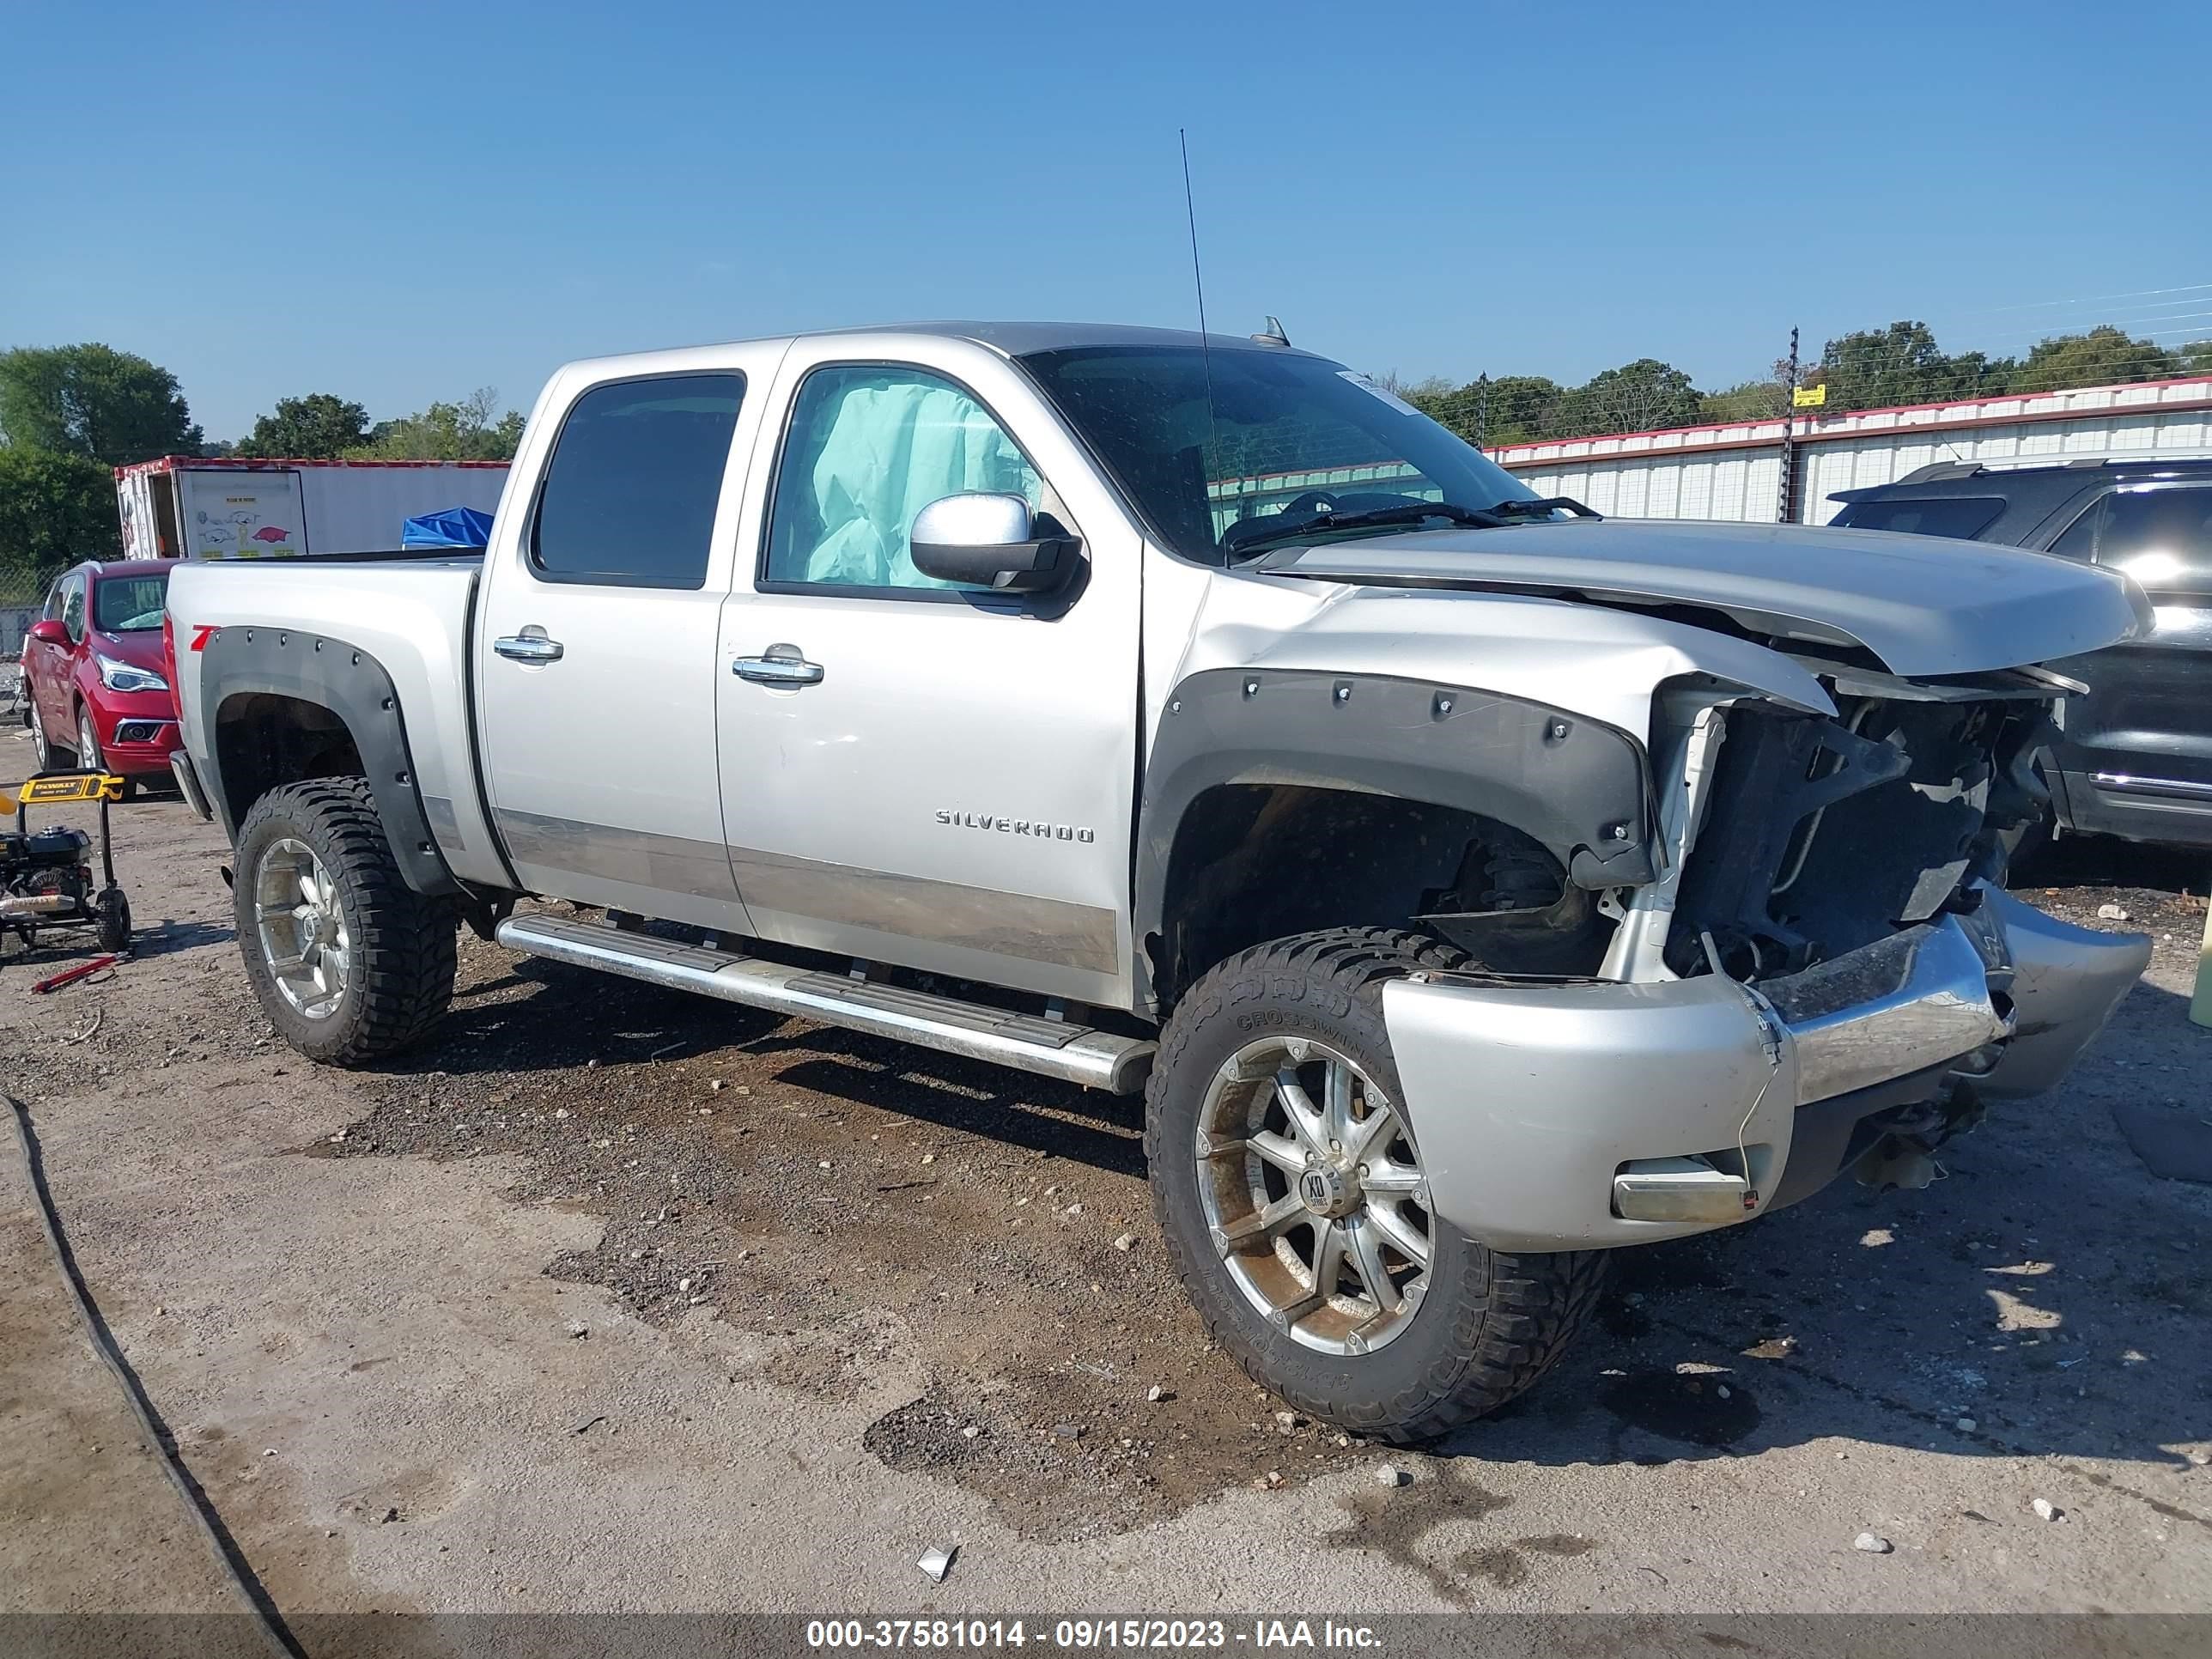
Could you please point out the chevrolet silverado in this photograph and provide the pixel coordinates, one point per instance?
(1473, 886)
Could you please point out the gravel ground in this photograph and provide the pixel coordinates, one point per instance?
(888, 1297)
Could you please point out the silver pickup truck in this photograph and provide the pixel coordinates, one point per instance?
(1472, 887)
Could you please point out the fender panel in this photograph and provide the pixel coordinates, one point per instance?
(1570, 782)
(353, 685)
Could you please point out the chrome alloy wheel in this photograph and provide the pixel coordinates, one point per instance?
(302, 929)
(1314, 1195)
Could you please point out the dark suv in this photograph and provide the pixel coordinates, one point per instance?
(2136, 756)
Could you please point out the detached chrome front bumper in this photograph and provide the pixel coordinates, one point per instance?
(1568, 1116)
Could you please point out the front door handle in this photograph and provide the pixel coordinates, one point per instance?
(779, 664)
(531, 645)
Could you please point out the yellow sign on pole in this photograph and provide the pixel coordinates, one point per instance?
(1809, 396)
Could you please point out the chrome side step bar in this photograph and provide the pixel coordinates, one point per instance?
(2125, 783)
(1029, 1042)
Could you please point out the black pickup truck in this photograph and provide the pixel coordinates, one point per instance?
(2134, 757)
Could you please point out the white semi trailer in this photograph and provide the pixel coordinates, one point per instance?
(182, 506)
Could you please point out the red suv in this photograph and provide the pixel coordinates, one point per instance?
(92, 665)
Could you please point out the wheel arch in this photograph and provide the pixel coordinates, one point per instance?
(280, 706)
(1277, 769)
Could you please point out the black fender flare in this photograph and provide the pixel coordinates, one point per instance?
(1579, 786)
(353, 686)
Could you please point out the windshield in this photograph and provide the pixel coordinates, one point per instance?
(129, 604)
(1288, 438)
(1959, 517)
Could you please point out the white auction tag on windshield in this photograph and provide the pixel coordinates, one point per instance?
(1375, 391)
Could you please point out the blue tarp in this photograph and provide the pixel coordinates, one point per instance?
(456, 526)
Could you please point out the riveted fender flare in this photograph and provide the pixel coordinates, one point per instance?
(352, 685)
(1579, 786)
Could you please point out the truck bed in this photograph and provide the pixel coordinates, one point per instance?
(414, 613)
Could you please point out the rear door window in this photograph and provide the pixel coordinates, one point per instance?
(2079, 540)
(630, 495)
(1960, 517)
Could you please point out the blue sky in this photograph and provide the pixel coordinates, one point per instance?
(397, 203)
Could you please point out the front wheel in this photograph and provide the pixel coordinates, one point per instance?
(350, 964)
(1291, 1193)
(88, 742)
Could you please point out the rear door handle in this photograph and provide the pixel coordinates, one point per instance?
(779, 664)
(531, 645)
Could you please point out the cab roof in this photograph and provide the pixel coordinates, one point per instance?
(1020, 339)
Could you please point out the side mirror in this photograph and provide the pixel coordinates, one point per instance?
(986, 540)
(50, 630)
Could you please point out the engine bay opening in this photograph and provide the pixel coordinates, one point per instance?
(1827, 834)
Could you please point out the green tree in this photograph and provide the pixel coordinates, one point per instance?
(55, 509)
(470, 430)
(2196, 357)
(1523, 407)
(1640, 396)
(1509, 409)
(2103, 356)
(1880, 368)
(316, 428)
(109, 406)
(1873, 367)
(1751, 400)
(1446, 404)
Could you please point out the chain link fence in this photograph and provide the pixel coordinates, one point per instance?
(24, 586)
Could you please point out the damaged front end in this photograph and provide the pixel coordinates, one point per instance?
(1825, 834)
(1827, 974)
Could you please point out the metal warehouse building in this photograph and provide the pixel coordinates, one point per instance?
(1735, 472)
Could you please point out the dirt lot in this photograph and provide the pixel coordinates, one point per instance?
(618, 1298)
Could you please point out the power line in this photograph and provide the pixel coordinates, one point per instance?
(2092, 299)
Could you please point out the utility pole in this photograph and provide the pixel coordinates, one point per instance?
(1789, 430)
(1482, 411)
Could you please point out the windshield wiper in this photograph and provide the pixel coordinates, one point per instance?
(1538, 507)
(1409, 513)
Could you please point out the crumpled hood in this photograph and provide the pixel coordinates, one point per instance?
(1923, 605)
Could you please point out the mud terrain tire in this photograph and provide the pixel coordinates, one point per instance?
(399, 945)
(1490, 1324)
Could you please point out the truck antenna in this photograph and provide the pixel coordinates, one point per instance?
(1198, 282)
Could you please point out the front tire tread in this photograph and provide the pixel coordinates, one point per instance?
(1512, 1320)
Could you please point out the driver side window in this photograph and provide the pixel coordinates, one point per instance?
(869, 446)
(73, 608)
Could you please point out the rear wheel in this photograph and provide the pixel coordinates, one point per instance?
(43, 755)
(350, 964)
(1291, 1190)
